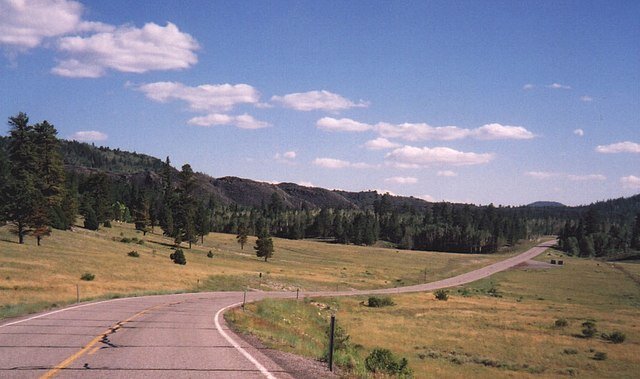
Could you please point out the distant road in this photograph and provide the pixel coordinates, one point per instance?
(168, 336)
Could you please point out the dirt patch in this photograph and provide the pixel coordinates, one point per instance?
(536, 265)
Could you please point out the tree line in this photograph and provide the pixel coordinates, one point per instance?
(37, 195)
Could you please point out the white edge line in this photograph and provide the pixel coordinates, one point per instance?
(255, 362)
(58, 311)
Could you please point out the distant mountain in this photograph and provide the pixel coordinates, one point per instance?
(546, 204)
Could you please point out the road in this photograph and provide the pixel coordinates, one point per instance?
(167, 336)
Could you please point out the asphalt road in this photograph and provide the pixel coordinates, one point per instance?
(166, 336)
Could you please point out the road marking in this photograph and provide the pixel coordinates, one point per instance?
(64, 364)
(246, 354)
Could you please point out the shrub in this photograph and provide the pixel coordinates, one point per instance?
(589, 329)
(383, 361)
(87, 276)
(210, 254)
(141, 242)
(561, 323)
(615, 337)
(126, 240)
(378, 302)
(107, 224)
(570, 351)
(442, 295)
(178, 257)
(133, 254)
(600, 356)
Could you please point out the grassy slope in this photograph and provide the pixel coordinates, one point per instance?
(477, 334)
(33, 278)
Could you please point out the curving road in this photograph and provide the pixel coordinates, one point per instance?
(166, 336)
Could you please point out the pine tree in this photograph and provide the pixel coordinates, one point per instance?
(264, 246)
(242, 236)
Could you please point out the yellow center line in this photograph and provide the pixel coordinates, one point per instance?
(92, 344)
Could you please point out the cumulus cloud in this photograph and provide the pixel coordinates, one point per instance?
(586, 99)
(620, 147)
(342, 125)
(306, 184)
(338, 163)
(630, 182)
(447, 173)
(409, 156)
(421, 131)
(88, 136)
(286, 157)
(127, 49)
(26, 24)
(244, 121)
(558, 86)
(528, 86)
(543, 175)
(497, 131)
(579, 132)
(428, 198)
(205, 97)
(380, 144)
(402, 180)
(317, 100)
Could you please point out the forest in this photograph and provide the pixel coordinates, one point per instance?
(46, 183)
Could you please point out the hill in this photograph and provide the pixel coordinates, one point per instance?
(545, 204)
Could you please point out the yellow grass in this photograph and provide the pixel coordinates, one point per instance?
(33, 277)
(514, 335)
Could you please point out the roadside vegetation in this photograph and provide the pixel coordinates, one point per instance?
(39, 277)
(579, 319)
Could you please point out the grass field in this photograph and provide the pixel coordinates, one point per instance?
(33, 277)
(502, 326)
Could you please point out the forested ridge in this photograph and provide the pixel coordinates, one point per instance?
(45, 183)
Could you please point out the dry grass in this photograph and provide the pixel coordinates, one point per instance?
(33, 278)
(509, 334)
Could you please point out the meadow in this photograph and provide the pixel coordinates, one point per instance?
(525, 322)
(34, 278)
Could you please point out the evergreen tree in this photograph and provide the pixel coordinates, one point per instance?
(202, 222)
(635, 234)
(184, 209)
(264, 246)
(242, 236)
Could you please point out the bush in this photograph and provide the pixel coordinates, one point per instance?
(107, 224)
(133, 254)
(210, 254)
(600, 356)
(589, 329)
(442, 295)
(178, 257)
(87, 276)
(615, 337)
(379, 302)
(561, 323)
(126, 240)
(383, 361)
(570, 351)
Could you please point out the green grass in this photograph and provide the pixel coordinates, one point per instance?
(509, 332)
(34, 277)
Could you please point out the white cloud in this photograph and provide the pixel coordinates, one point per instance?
(496, 131)
(542, 174)
(421, 131)
(342, 125)
(286, 157)
(205, 97)
(447, 173)
(88, 136)
(586, 99)
(244, 121)
(428, 198)
(558, 86)
(290, 154)
(338, 163)
(630, 182)
(317, 100)
(579, 132)
(408, 156)
(26, 24)
(528, 86)
(127, 49)
(402, 180)
(620, 147)
(585, 178)
(305, 184)
(380, 144)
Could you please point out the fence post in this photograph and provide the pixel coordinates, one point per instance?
(244, 299)
(297, 293)
(331, 333)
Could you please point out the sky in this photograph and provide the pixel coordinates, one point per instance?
(503, 102)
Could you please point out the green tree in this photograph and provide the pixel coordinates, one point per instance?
(202, 221)
(184, 209)
(242, 236)
(264, 246)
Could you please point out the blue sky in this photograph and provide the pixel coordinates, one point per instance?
(498, 102)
